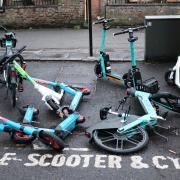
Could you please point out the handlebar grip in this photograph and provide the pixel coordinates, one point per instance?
(131, 91)
(139, 28)
(3, 28)
(121, 32)
(103, 20)
(110, 20)
(99, 21)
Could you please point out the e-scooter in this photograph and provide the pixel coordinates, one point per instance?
(133, 77)
(25, 133)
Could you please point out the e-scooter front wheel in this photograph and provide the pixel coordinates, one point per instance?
(51, 140)
(113, 141)
(170, 81)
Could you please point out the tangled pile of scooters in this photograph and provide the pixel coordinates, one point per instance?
(125, 133)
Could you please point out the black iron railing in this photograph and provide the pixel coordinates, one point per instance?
(15, 3)
(121, 2)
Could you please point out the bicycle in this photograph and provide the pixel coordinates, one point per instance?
(11, 78)
(133, 77)
(52, 98)
(128, 133)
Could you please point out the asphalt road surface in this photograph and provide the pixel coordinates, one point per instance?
(81, 160)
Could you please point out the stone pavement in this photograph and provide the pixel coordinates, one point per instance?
(72, 44)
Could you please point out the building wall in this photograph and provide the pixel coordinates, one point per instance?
(95, 8)
(134, 14)
(67, 13)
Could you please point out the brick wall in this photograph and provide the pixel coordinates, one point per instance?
(67, 13)
(95, 8)
(134, 14)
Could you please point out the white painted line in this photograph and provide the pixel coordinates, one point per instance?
(6, 148)
(37, 147)
(76, 149)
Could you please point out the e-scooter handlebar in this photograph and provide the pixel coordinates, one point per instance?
(103, 21)
(129, 30)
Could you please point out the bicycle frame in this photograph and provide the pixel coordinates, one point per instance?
(149, 119)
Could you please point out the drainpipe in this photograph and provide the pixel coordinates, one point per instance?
(85, 11)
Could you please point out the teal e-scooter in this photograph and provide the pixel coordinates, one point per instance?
(133, 77)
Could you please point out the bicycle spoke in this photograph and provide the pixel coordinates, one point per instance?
(117, 144)
(132, 142)
(107, 140)
(135, 140)
(122, 144)
(108, 132)
(106, 137)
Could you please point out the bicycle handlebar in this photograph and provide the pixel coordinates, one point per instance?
(16, 54)
(130, 30)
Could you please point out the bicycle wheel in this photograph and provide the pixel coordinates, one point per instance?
(21, 138)
(51, 140)
(169, 81)
(97, 70)
(114, 142)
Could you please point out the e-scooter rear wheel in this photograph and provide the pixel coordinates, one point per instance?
(97, 70)
(51, 140)
(170, 82)
(22, 138)
(114, 142)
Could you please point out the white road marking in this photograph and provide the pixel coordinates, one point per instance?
(76, 149)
